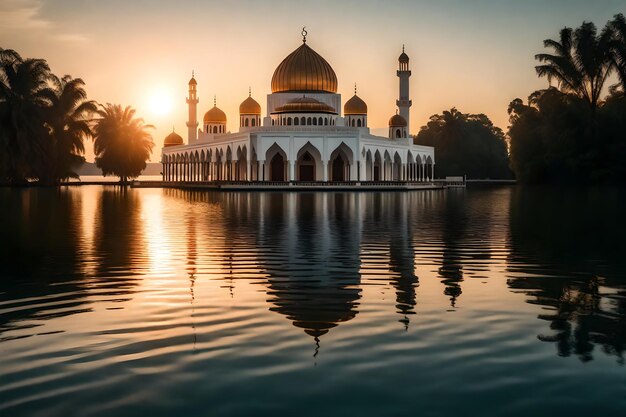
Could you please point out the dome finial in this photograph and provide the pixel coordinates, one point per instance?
(192, 73)
(402, 47)
(355, 89)
(173, 130)
(304, 33)
(214, 100)
(249, 91)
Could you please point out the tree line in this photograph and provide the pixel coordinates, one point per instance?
(569, 132)
(45, 120)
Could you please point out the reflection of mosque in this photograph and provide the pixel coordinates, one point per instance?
(388, 220)
(312, 246)
(314, 274)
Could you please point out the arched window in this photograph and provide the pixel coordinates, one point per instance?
(214, 129)
(296, 121)
(314, 121)
(319, 121)
(358, 123)
(289, 121)
(308, 121)
(246, 123)
(352, 123)
(253, 122)
(302, 121)
(398, 134)
(326, 121)
(272, 122)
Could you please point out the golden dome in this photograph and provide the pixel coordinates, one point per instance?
(215, 115)
(249, 106)
(304, 70)
(355, 106)
(173, 139)
(397, 121)
(305, 105)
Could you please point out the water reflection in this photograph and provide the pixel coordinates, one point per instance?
(313, 276)
(567, 250)
(41, 258)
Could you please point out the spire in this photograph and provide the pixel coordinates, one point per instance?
(304, 33)
(355, 89)
(403, 48)
(214, 100)
(192, 74)
(249, 91)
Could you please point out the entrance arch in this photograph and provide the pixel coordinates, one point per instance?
(306, 167)
(277, 168)
(309, 164)
(377, 166)
(338, 169)
(341, 160)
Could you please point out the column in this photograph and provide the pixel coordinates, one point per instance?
(292, 170)
(248, 170)
(325, 169)
(259, 170)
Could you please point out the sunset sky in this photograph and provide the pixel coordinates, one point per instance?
(474, 55)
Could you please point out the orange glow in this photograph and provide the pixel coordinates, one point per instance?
(161, 103)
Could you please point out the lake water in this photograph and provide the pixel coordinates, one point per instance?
(478, 302)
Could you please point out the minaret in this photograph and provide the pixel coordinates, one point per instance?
(192, 101)
(404, 103)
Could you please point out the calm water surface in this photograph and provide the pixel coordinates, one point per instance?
(489, 302)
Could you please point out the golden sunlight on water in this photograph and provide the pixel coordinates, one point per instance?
(114, 301)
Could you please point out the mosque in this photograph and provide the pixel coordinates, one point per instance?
(303, 136)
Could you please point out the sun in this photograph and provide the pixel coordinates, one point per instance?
(160, 103)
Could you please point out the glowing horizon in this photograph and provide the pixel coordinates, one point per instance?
(476, 57)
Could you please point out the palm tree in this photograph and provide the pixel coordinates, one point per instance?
(581, 61)
(23, 97)
(68, 121)
(122, 143)
(618, 25)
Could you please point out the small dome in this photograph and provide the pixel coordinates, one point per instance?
(355, 106)
(173, 139)
(397, 121)
(249, 106)
(305, 105)
(304, 70)
(215, 115)
(403, 57)
(193, 81)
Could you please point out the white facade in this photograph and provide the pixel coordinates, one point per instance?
(303, 137)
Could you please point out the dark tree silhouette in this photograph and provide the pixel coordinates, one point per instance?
(68, 119)
(23, 97)
(618, 47)
(581, 61)
(122, 143)
(43, 121)
(466, 144)
(570, 134)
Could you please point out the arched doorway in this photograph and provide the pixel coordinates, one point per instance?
(338, 168)
(277, 168)
(377, 166)
(306, 167)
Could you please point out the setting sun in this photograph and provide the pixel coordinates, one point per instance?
(160, 103)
